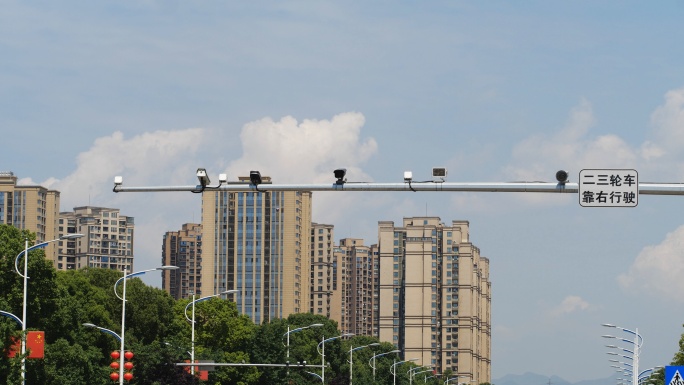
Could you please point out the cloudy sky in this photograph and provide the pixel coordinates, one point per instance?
(494, 91)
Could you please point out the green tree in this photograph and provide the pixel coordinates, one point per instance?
(41, 300)
(221, 334)
(155, 364)
(149, 312)
(72, 364)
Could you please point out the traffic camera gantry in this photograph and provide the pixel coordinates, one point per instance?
(437, 184)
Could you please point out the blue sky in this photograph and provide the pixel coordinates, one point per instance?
(494, 91)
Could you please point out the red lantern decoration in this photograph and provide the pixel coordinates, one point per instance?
(128, 355)
(114, 365)
(114, 376)
(128, 365)
(115, 354)
(128, 376)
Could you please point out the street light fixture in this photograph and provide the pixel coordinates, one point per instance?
(192, 320)
(372, 365)
(294, 331)
(104, 330)
(637, 342)
(177, 347)
(321, 351)
(314, 374)
(351, 358)
(25, 276)
(413, 371)
(393, 368)
(123, 310)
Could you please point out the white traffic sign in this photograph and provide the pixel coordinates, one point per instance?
(608, 188)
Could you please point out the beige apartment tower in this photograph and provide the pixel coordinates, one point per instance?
(33, 208)
(358, 268)
(435, 299)
(258, 243)
(107, 241)
(325, 295)
(183, 249)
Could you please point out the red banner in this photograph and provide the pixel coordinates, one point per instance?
(202, 374)
(35, 345)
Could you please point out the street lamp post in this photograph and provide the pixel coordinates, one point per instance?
(393, 368)
(123, 310)
(25, 276)
(371, 362)
(288, 339)
(413, 371)
(321, 351)
(294, 331)
(193, 302)
(637, 342)
(351, 358)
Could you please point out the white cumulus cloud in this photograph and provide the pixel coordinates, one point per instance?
(570, 304)
(290, 151)
(571, 148)
(304, 152)
(149, 158)
(658, 269)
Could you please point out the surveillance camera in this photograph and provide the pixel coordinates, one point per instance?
(439, 174)
(255, 177)
(202, 177)
(408, 176)
(339, 174)
(118, 180)
(223, 178)
(562, 176)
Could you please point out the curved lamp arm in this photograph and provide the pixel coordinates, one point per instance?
(104, 330)
(204, 299)
(298, 330)
(372, 359)
(39, 245)
(314, 374)
(137, 273)
(331, 339)
(12, 316)
(393, 369)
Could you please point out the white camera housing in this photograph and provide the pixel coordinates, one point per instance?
(203, 177)
(408, 176)
(439, 174)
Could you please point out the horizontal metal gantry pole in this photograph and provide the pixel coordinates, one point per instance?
(523, 187)
(212, 364)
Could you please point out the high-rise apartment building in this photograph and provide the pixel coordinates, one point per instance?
(358, 266)
(435, 298)
(33, 208)
(107, 240)
(183, 249)
(325, 297)
(259, 244)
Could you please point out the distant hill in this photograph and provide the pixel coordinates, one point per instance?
(538, 379)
